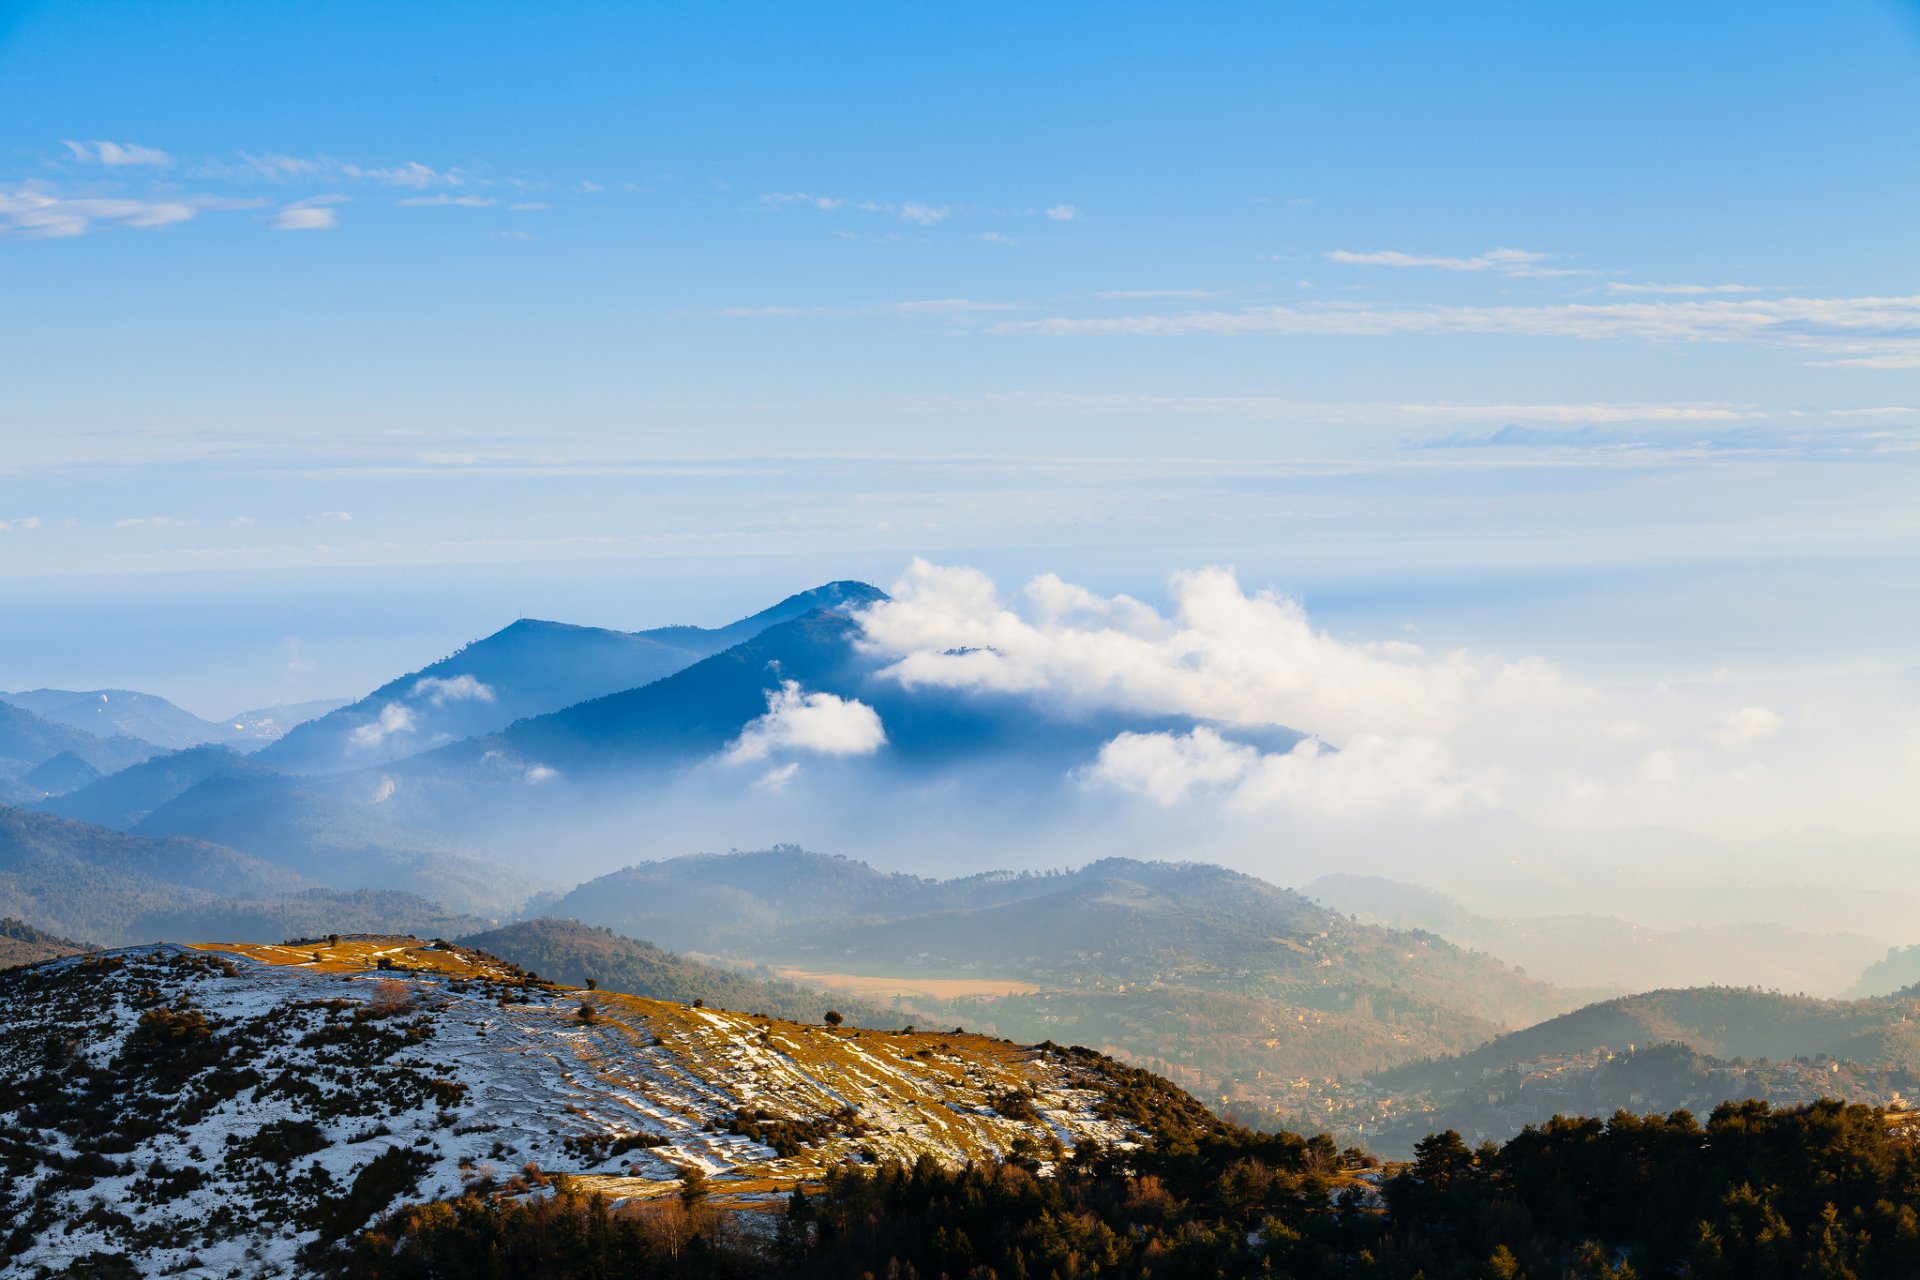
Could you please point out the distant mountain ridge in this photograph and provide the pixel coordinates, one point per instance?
(1597, 952)
(36, 751)
(1218, 978)
(526, 669)
(151, 718)
(1724, 1022)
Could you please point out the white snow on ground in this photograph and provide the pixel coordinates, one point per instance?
(519, 1075)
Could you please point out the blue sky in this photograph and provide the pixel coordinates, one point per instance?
(348, 331)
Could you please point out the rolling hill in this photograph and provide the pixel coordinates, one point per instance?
(85, 881)
(332, 832)
(573, 953)
(1230, 985)
(21, 943)
(1722, 1022)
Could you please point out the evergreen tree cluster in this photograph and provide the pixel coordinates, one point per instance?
(1756, 1193)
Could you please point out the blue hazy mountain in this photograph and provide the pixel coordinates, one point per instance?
(104, 713)
(122, 800)
(29, 741)
(693, 715)
(331, 831)
(522, 670)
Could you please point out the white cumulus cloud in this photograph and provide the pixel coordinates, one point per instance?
(1370, 775)
(822, 723)
(440, 690)
(393, 718)
(1223, 654)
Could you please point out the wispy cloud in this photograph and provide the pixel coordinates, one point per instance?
(42, 213)
(925, 307)
(1506, 262)
(336, 517)
(924, 214)
(906, 210)
(117, 153)
(323, 168)
(1866, 332)
(1685, 290)
(1151, 295)
(464, 202)
(1063, 213)
(154, 522)
(19, 522)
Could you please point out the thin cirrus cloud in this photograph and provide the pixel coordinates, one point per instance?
(333, 517)
(39, 212)
(906, 210)
(116, 153)
(155, 522)
(323, 168)
(1862, 332)
(1506, 262)
(924, 308)
(1681, 290)
(463, 202)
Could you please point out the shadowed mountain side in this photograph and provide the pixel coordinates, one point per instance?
(89, 882)
(1723, 1022)
(1598, 952)
(124, 799)
(1900, 967)
(694, 715)
(312, 913)
(335, 831)
(570, 952)
(336, 836)
(21, 943)
(526, 669)
(28, 740)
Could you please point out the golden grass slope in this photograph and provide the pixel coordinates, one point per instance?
(638, 1090)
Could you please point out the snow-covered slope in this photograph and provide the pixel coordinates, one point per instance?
(199, 1111)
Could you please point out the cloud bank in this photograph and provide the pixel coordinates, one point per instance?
(1392, 729)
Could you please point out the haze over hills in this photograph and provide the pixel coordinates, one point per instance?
(332, 831)
(38, 755)
(1231, 985)
(1599, 952)
(106, 713)
(91, 882)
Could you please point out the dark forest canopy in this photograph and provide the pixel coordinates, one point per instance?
(1755, 1193)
